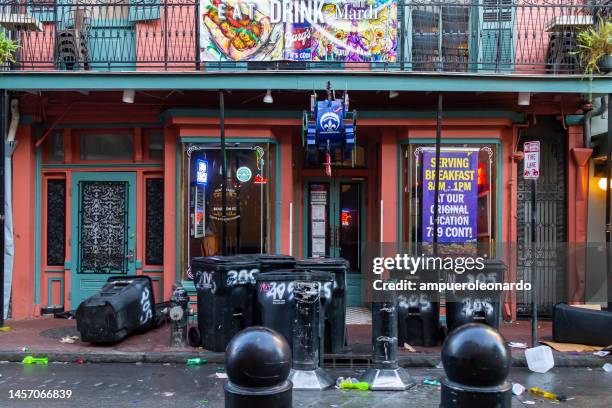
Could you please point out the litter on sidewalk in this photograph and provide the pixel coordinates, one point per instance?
(539, 359)
(516, 344)
(571, 347)
(546, 394)
(5, 329)
(70, 339)
(601, 353)
(35, 360)
(517, 389)
(607, 368)
(196, 361)
(409, 348)
(432, 382)
(348, 385)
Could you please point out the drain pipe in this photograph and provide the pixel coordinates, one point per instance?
(9, 245)
(586, 125)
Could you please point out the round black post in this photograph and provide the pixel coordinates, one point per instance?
(477, 363)
(257, 362)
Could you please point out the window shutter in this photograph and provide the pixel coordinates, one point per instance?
(144, 10)
(42, 10)
(496, 51)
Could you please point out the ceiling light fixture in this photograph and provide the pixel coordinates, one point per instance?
(128, 95)
(268, 98)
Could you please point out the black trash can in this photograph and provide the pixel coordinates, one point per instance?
(335, 310)
(478, 306)
(418, 312)
(267, 263)
(277, 301)
(224, 286)
(272, 262)
(418, 317)
(125, 305)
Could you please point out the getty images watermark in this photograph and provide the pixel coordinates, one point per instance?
(477, 277)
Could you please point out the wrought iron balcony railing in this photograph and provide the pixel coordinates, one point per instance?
(492, 36)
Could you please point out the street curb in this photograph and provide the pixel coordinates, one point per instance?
(331, 360)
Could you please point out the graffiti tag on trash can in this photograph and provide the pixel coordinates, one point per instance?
(145, 303)
(241, 277)
(206, 281)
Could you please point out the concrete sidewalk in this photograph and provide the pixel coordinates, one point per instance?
(42, 336)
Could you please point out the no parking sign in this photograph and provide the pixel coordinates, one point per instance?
(531, 169)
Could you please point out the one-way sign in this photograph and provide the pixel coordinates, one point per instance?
(531, 168)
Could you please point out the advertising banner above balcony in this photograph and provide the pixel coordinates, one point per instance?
(298, 30)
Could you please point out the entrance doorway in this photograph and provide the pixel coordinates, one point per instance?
(551, 221)
(103, 236)
(336, 226)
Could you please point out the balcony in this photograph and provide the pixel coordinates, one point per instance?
(519, 37)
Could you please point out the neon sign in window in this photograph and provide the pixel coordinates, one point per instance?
(346, 217)
(201, 172)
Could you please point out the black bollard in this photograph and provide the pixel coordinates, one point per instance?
(385, 373)
(477, 363)
(257, 362)
(306, 373)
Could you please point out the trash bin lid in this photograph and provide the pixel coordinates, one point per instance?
(322, 263)
(293, 275)
(228, 262)
(494, 264)
(271, 260)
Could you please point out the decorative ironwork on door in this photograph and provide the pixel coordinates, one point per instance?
(551, 221)
(103, 227)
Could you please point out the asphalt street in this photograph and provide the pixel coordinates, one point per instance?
(154, 385)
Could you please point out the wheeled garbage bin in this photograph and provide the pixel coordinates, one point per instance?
(478, 306)
(335, 310)
(125, 305)
(224, 286)
(277, 300)
(267, 263)
(418, 311)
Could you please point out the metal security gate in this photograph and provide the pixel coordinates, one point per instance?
(551, 221)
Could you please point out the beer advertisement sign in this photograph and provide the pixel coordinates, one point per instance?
(298, 30)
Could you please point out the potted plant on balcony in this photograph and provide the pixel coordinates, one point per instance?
(595, 48)
(7, 48)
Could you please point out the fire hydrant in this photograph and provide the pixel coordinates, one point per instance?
(179, 317)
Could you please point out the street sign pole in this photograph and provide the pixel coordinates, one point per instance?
(531, 171)
(534, 288)
(4, 102)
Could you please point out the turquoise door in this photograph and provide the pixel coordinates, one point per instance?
(336, 226)
(103, 232)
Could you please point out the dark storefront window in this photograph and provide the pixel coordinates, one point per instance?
(467, 206)
(54, 147)
(155, 145)
(56, 222)
(111, 146)
(245, 222)
(155, 221)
